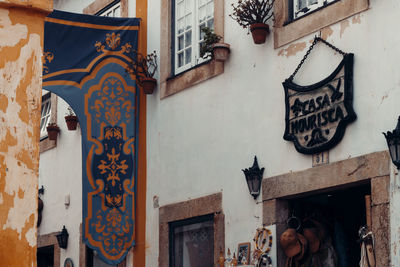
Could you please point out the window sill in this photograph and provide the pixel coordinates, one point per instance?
(174, 84)
(285, 33)
(47, 144)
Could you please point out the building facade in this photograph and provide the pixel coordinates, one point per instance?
(21, 47)
(207, 120)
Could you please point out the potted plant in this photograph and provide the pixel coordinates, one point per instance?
(71, 119)
(52, 131)
(144, 68)
(254, 15)
(212, 47)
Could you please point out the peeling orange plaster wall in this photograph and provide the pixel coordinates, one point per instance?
(326, 32)
(21, 38)
(343, 26)
(292, 50)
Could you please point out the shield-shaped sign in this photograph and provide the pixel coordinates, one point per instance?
(317, 115)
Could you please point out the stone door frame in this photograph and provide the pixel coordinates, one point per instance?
(373, 169)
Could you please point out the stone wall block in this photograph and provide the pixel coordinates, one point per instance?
(380, 190)
(380, 229)
(280, 212)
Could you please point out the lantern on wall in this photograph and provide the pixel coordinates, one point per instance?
(253, 178)
(62, 238)
(393, 141)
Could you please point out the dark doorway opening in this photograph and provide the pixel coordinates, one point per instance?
(93, 260)
(45, 256)
(341, 213)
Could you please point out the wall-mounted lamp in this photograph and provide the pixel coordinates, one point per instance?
(393, 141)
(62, 238)
(41, 190)
(253, 178)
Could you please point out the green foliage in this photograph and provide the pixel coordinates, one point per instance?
(142, 66)
(248, 12)
(210, 38)
(70, 112)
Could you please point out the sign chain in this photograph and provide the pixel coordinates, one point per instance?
(316, 40)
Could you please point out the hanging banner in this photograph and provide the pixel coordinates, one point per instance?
(85, 60)
(317, 115)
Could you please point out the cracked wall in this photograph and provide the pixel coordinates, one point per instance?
(21, 38)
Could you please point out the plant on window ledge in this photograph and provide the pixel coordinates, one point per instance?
(71, 119)
(254, 14)
(52, 131)
(144, 68)
(212, 47)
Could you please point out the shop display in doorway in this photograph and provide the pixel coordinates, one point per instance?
(68, 263)
(262, 247)
(317, 114)
(243, 253)
(307, 244)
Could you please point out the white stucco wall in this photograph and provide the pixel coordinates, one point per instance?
(199, 139)
(60, 173)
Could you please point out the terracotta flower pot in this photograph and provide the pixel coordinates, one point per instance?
(259, 32)
(221, 51)
(148, 85)
(52, 132)
(72, 122)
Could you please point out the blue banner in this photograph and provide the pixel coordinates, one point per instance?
(85, 60)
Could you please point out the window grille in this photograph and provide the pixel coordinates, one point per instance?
(112, 11)
(303, 7)
(192, 241)
(190, 17)
(45, 114)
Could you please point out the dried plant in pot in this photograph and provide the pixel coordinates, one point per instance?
(52, 131)
(71, 119)
(144, 68)
(211, 46)
(254, 15)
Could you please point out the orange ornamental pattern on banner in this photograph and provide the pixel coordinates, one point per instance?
(90, 75)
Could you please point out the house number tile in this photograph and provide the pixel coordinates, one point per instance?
(320, 158)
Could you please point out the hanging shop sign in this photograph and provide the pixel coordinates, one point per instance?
(317, 115)
(85, 63)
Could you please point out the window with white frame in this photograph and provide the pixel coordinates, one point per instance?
(190, 17)
(111, 11)
(45, 114)
(303, 7)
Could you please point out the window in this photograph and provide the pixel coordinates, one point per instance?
(107, 8)
(112, 11)
(190, 17)
(180, 64)
(191, 232)
(45, 115)
(192, 241)
(291, 23)
(302, 7)
(48, 115)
